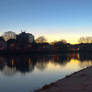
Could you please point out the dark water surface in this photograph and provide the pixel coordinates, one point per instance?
(28, 73)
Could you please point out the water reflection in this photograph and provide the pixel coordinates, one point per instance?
(9, 65)
(25, 73)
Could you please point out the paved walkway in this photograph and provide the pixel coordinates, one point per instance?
(78, 82)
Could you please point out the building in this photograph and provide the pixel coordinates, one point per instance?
(9, 35)
(11, 44)
(25, 37)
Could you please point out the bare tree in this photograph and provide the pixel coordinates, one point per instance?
(41, 39)
(60, 41)
(81, 40)
(85, 40)
(63, 41)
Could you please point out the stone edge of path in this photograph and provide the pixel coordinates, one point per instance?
(48, 86)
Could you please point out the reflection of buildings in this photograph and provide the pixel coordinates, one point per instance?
(9, 65)
(85, 56)
(85, 64)
(8, 71)
(61, 59)
(74, 55)
(24, 64)
(2, 62)
(42, 62)
(41, 65)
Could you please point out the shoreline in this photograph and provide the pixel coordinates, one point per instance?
(80, 81)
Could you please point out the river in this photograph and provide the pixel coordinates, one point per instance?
(26, 73)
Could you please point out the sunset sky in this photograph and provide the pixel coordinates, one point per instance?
(54, 19)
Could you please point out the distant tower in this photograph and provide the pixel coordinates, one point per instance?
(23, 31)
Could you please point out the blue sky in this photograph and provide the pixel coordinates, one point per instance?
(55, 19)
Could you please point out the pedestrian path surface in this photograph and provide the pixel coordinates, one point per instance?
(77, 82)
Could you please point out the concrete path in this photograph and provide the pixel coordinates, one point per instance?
(77, 82)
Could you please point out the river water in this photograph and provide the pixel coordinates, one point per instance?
(26, 73)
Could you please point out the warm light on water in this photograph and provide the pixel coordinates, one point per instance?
(27, 73)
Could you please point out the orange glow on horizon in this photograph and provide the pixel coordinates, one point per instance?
(71, 35)
(56, 37)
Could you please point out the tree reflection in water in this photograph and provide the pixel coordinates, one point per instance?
(10, 65)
